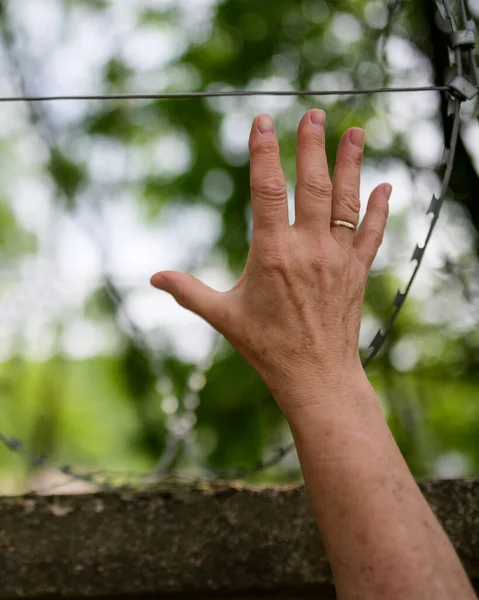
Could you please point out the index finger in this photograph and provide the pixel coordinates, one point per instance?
(269, 197)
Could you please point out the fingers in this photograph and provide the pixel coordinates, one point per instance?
(269, 196)
(346, 180)
(313, 187)
(371, 231)
(193, 295)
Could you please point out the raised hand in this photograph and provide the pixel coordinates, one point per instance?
(296, 310)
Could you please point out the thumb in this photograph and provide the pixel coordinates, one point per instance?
(190, 293)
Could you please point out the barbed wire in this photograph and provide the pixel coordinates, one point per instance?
(462, 89)
(459, 89)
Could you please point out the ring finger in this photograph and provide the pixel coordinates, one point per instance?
(346, 180)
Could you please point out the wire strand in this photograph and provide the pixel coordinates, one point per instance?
(223, 94)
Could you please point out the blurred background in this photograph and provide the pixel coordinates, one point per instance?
(99, 371)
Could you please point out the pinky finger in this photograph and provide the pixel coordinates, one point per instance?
(370, 234)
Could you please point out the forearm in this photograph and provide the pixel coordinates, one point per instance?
(373, 518)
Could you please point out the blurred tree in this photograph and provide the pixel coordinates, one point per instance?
(124, 406)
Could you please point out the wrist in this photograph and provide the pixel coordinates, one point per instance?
(345, 425)
(338, 391)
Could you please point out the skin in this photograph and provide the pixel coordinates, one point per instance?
(295, 317)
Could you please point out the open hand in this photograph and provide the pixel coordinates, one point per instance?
(295, 313)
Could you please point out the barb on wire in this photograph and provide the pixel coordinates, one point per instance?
(470, 28)
(42, 462)
(275, 458)
(459, 89)
(229, 93)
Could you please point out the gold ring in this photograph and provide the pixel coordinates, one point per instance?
(335, 223)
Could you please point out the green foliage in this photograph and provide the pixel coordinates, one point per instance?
(94, 4)
(112, 122)
(114, 409)
(13, 240)
(67, 175)
(237, 406)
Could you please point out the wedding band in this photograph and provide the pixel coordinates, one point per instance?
(335, 223)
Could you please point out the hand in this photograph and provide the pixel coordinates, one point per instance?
(295, 313)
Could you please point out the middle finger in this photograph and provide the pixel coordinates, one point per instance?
(313, 188)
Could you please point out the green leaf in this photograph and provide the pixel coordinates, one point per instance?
(67, 175)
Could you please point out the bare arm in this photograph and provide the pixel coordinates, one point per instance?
(382, 539)
(295, 317)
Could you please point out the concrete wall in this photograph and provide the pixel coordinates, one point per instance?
(210, 541)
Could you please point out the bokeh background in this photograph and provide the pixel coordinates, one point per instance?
(101, 372)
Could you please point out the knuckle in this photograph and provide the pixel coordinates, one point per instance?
(264, 147)
(349, 199)
(322, 263)
(317, 186)
(180, 296)
(351, 159)
(276, 258)
(376, 237)
(356, 160)
(383, 211)
(273, 187)
(278, 263)
(329, 263)
(312, 138)
(225, 315)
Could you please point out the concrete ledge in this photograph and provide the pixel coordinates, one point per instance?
(208, 541)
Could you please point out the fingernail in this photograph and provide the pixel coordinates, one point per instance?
(265, 124)
(387, 189)
(357, 137)
(317, 116)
